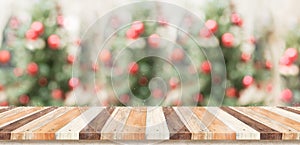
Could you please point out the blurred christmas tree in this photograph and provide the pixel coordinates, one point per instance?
(35, 67)
(244, 58)
(289, 68)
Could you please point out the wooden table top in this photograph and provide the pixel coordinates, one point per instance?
(149, 123)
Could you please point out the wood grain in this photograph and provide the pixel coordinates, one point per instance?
(156, 125)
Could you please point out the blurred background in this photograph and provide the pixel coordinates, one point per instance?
(210, 52)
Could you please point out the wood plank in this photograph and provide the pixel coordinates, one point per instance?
(25, 131)
(290, 109)
(217, 128)
(191, 121)
(157, 128)
(284, 113)
(114, 125)
(135, 126)
(288, 133)
(47, 132)
(243, 131)
(5, 132)
(92, 131)
(3, 109)
(178, 131)
(72, 129)
(266, 133)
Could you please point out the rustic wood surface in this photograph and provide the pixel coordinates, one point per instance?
(150, 123)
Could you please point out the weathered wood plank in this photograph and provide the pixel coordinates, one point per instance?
(156, 125)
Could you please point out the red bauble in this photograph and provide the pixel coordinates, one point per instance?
(247, 81)
(177, 54)
(268, 64)
(4, 56)
(143, 81)
(285, 60)
(198, 97)
(32, 69)
(38, 27)
(24, 99)
(133, 68)
(18, 72)
(252, 40)
(205, 33)
(157, 93)
(57, 94)
(73, 83)
(292, 54)
(43, 81)
(205, 67)
(1, 87)
(173, 83)
(153, 40)
(124, 98)
(236, 19)
(231, 92)
(4, 103)
(269, 87)
(54, 41)
(227, 40)
(71, 59)
(60, 20)
(95, 67)
(287, 95)
(31, 35)
(138, 27)
(211, 25)
(245, 57)
(105, 56)
(132, 34)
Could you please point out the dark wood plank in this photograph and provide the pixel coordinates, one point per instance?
(290, 109)
(6, 109)
(266, 133)
(5, 132)
(177, 129)
(93, 130)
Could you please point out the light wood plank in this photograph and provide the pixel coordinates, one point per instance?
(217, 127)
(198, 129)
(25, 131)
(72, 129)
(135, 126)
(284, 113)
(288, 133)
(156, 126)
(114, 125)
(243, 131)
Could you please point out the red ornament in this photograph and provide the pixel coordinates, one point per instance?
(285, 60)
(153, 40)
(205, 67)
(287, 95)
(73, 83)
(211, 25)
(4, 103)
(54, 41)
(71, 59)
(292, 54)
(245, 57)
(38, 27)
(124, 98)
(157, 93)
(268, 65)
(60, 20)
(105, 56)
(95, 67)
(143, 81)
(198, 97)
(1, 87)
(18, 72)
(231, 92)
(14, 23)
(236, 19)
(24, 99)
(31, 35)
(247, 81)
(131, 34)
(43, 81)
(269, 87)
(32, 69)
(133, 68)
(252, 40)
(205, 33)
(4, 56)
(138, 27)
(227, 40)
(177, 54)
(57, 94)
(173, 83)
